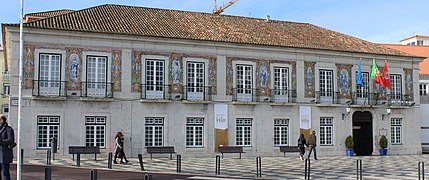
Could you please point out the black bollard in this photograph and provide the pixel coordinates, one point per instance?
(147, 177)
(48, 157)
(109, 161)
(93, 174)
(359, 169)
(217, 171)
(179, 163)
(258, 167)
(421, 169)
(78, 159)
(22, 156)
(141, 162)
(48, 173)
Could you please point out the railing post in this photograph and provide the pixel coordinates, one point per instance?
(179, 163)
(93, 174)
(141, 162)
(48, 157)
(109, 161)
(421, 169)
(258, 167)
(359, 169)
(48, 173)
(217, 165)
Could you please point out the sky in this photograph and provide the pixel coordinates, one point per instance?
(379, 21)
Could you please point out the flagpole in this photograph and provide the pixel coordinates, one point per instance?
(21, 75)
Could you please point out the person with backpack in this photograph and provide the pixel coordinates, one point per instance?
(7, 142)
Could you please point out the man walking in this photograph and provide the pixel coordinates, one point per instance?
(312, 144)
(7, 143)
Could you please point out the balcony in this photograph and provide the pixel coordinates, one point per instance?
(399, 99)
(282, 96)
(245, 95)
(197, 93)
(327, 97)
(6, 76)
(96, 89)
(156, 92)
(365, 98)
(46, 88)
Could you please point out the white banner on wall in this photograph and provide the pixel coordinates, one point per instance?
(221, 116)
(305, 117)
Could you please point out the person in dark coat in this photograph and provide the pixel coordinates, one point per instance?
(312, 142)
(7, 142)
(301, 145)
(119, 148)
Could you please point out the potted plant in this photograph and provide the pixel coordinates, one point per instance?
(349, 145)
(383, 145)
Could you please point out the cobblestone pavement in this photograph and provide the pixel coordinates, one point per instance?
(290, 167)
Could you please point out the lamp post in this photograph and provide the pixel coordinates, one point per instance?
(21, 76)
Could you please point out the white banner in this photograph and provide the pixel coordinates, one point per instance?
(305, 117)
(221, 116)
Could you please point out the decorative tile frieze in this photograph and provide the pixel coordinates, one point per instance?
(136, 71)
(344, 80)
(309, 79)
(116, 70)
(229, 76)
(73, 68)
(28, 66)
(212, 75)
(409, 89)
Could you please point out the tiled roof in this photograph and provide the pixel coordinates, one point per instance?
(422, 51)
(50, 13)
(142, 21)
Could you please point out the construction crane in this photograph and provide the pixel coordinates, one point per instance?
(223, 7)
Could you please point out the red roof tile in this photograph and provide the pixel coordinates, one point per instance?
(422, 51)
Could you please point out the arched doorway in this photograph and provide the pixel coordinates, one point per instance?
(362, 133)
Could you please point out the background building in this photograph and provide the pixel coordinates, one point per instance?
(195, 81)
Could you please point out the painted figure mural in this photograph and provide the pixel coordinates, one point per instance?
(175, 71)
(263, 76)
(344, 81)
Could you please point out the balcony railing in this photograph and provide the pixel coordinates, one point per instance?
(156, 92)
(327, 97)
(197, 93)
(365, 98)
(97, 89)
(49, 88)
(245, 95)
(399, 99)
(6, 76)
(282, 96)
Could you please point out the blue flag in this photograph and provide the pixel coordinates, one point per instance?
(359, 81)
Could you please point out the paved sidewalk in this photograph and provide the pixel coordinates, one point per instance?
(343, 167)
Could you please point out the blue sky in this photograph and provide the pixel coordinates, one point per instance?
(379, 21)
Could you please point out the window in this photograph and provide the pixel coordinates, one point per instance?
(395, 91)
(194, 132)
(281, 85)
(154, 131)
(95, 131)
(5, 110)
(281, 129)
(362, 91)
(396, 130)
(154, 79)
(244, 83)
(195, 80)
(243, 132)
(423, 89)
(96, 76)
(6, 89)
(326, 85)
(419, 43)
(326, 128)
(47, 128)
(49, 74)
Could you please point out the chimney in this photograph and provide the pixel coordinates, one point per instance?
(268, 18)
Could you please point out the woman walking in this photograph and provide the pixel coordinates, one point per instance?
(301, 145)
(119, 148)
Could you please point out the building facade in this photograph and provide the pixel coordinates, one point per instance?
(161, 77)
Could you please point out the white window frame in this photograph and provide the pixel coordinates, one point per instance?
(49, 83)
(155, 91)
(243, 130)
(197, 92)
(326, 135)
(154, 125)
(194, 132)
(96, 124)
(362, 93)
(281, 83)
(244, 91)
(281, 132)
(97, 86)
(326, 85)
(396, 130)
(52, 125)
(423, 89)
(396, 90)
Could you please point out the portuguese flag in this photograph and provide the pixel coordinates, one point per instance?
(376, 74)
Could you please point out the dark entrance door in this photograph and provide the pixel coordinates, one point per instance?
(362, 133)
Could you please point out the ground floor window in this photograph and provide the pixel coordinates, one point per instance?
(194, 132)
(396, 130)
(281, 129)
(154, 127)
(47, 128)
(243, 132)
(326, 127)
(95, 131)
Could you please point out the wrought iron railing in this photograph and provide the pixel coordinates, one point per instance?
(282, 96)
(245, 95)
(97, 89)
(327, 97)
(398, 99)
(157, 92)
(197, 93)
(365, 98)
(49, 88)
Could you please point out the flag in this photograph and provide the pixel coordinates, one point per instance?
(376, 74)
(386, 76)
(359, 81)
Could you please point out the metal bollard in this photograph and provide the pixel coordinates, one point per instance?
(147, 177)
(307, 168)
(141, 162)
(421, 169)
(258, 167)
(48, 173)
(78, 159)
(179, 163)
(53, 147)
(359, 169)
(93, 174)
(109, 161)
(217, 171)
(22, 156)
(48, 157)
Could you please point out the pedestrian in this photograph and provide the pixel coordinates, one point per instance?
(7, 141)
(119, 148)
(312, 144)
(301, 146)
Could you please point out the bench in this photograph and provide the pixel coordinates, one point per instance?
(160, 150)
(84, 150)
(230, 149)
(288, 149)
(425, 150)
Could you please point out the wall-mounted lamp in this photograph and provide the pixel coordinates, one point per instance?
(267, 99)
(348, 109)
(388, 111)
